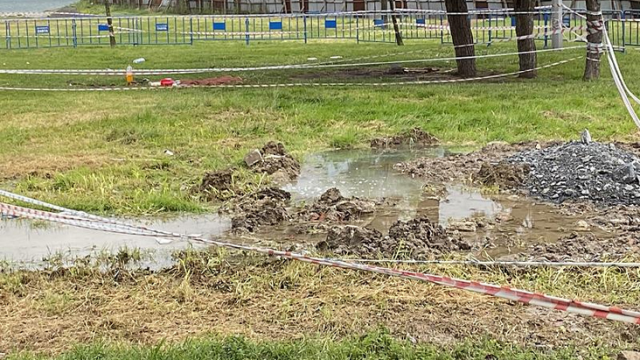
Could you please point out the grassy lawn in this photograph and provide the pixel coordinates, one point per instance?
(104, 151)
(214, 305)
(375, 345)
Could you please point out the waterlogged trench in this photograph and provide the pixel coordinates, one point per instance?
(361, 173)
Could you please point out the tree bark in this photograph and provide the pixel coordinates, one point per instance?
(594, 28)
(112, 35)
(462, 36)
(396, 29)
(524, 27)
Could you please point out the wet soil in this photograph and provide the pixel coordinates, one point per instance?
(274, 160)
(266, 207)
(502, 174)
(216, 185)
(414, 239)
(393, 72)
(414, 137)
(463, 167)
(222, 80)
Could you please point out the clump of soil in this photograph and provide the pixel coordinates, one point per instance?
(274, 148)
(221, 80)
(414, 137)
(274, 160)
(217, 184)
(414, 239)
(421, 237)
(587, 247)
(350, 240)
(332, 206)
(266, 207)
(502, 174)
(265, 212)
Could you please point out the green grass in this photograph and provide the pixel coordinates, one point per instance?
(104, 151)
(376, 345)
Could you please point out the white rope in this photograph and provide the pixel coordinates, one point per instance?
(288, 85)
(271, 67)
(619, 80)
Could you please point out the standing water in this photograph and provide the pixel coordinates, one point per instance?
(32, 5)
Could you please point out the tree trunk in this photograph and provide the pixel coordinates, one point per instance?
(112, 36)
(524, 27)
(462, 36)
(594, 28)
(396, 29)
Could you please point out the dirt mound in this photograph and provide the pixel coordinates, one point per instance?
(502, 174)
(420, 237)
(274, 160)
(274, 148)
(587, 247)
(266, 207)
(414, 239)
(462, 167)
(351, 240)
(332, 206)
(268, 212)
(594, 171)
(215, 184)
(415, 136)
(222, 80)
(272, 193)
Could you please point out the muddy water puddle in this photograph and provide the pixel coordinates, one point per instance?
(27, 241)
(504, 224)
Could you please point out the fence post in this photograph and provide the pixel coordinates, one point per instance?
(246, 25)
(304, 23)
(8, 34)
(191, 29)
(357, 29)
(624, 42)
(74, 33)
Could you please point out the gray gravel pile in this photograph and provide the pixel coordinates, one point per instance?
(587, 170)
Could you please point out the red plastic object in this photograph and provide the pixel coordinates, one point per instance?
(166, 82)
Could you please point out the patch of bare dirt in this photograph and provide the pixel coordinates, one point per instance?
(416, 239)
(393, 72)
(415, 137)
(462, 167)
(502, 174)
(221, 80)
(587, 247)
(333, 207)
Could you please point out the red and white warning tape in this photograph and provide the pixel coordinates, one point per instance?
(551, 302)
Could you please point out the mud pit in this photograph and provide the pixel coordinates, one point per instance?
(364, 189)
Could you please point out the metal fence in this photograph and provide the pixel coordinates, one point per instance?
(366, 26)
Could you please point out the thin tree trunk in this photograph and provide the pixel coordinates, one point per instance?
(112, 35)
(594, 27)
(524, 27)
(396, 29)
(462, 36)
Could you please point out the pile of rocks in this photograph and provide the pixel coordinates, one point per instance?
(586, 170)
